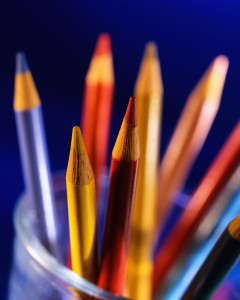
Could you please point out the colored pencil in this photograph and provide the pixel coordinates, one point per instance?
(81, 209)
(34, 156)
(218, 263)
(196, 259)
(97, 107)
(148, 91)
(190, 133)
(202, 199)
(121, 195)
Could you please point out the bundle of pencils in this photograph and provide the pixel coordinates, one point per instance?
(204, 196)
(130, 224)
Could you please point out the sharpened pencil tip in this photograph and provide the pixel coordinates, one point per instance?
(79, 170)
(212, 82)
(234, 228)
(220, 64)
(151, 51)
(131, 116)
(77, 143)
(103, 46)
(21, 63)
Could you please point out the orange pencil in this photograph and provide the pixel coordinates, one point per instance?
(121, 195)
(97, 106)
(202, 199)
(190, 134)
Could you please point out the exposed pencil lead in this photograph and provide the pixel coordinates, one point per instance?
(151, 51)
(103, 46)
(130, 116)
(211, 84)
(21, 63)
(149, 79)
(222, 62)
(77, 143)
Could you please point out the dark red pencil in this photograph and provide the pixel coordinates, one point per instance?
(121, 195)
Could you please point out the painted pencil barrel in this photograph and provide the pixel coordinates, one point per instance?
(148, 91)
(231, 210)
(121, 196)
(205, 195)
(117, 233)
(214, 269)
(82, 223)
(36, 171)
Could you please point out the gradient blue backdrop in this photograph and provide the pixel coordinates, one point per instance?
(58, 38)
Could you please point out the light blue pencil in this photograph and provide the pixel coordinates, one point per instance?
(34, 156)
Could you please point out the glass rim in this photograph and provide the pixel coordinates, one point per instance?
(48, 262)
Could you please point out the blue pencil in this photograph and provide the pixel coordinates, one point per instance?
(34, 156)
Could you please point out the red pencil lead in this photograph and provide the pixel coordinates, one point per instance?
(131, 116)
(103, 46)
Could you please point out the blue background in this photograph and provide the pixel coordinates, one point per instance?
(59, 37)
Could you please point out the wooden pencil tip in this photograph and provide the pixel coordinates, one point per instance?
(21, 63)
(151, 51)
(130, 115)
(77, 143)
(234, 228)
(79, 170)
(25, 93)
(127, 143)
(103, 46)
(220, 64)
(209, 88)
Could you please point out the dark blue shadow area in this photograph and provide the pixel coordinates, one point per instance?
(59, 37)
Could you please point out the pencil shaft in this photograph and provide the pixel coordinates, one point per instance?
(214, 269)
(81, 209)
(36, 171)
(97, 107)
(148, 91)
(83, 235)
(101, 131)
(190, 133)
(88, 118)
(206, 193)
(140, 265)
(118, 220)
(230, 211)
(121, 196)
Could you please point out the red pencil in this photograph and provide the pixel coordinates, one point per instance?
(122, 187)
(202, 199)
(97, 106)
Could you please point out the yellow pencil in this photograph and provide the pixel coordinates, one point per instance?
(148, 91)
(81, 209)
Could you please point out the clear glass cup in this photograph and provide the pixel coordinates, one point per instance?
(35, 273)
